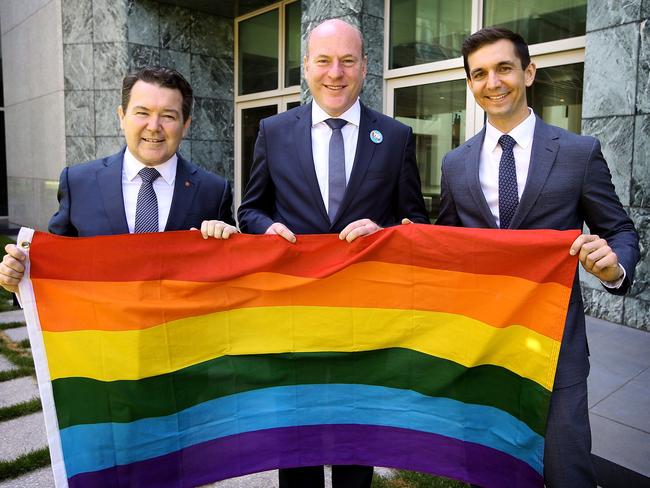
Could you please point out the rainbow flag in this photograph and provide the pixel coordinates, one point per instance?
(168, 360)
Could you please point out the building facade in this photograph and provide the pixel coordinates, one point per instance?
(63, 62)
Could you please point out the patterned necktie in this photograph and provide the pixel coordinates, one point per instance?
(146, 210)
(508, 196)
(336, 167)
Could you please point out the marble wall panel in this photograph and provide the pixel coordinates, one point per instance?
(105, 146)
(319, 10)
(79, 113)
(106, 121)
(372, 92)
(212, 120)
(603, 305)
(179, 61)
(77, 21)
(641, 165)
(141, 56)
(14, 12)
(78, 67)
(212, 77)
(110, 20)
(615, 135)
(143, 22)
(641, 286)
(212, 36)
(608, 13)
(374, 7)
(79, 149)
(111, 61)
(645, 9)
(373, 34)
(20, 197)
(215, 156)
(643, 84)
(636, 313)
(611, 72)
(175, 28)
(185, 149)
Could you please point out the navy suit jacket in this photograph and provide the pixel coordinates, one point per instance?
(568, 185)
(91, 202)
(384, 185)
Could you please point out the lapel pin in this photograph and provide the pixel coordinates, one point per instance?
(376, 136)
(187, 184)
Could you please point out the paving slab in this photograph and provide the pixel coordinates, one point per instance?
(620, 444)
(265, 479)
(629, 405)
(5, 364)
(41, 478)
(12, 316)
(22, 435)
(18, 391)
(17, 334)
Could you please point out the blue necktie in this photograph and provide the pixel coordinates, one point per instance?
(336, 167)
(146, 209)
(508, 196)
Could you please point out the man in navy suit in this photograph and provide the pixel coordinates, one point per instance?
(102, 197)
(293, 182)
(543, 178)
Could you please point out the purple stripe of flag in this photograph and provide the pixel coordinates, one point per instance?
(263, 450)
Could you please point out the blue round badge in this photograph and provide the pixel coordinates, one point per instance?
(376, 136)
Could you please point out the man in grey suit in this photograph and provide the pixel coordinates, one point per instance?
(145, 187)
(520, 173)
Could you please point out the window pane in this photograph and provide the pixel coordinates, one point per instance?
(423, 31)
(291, 105)
(556, 96)
(251, 118)
(292, 45)
(436, 113)
(538, 20)
(258, 53)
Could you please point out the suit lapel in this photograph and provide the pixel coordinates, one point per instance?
(186, 185)
(109, 180)
(302, 138)
(473, 182)
(362, 157)
(542, 157)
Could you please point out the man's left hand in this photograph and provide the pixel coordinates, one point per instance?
(363, 227)
(217, 229)
(597, 257)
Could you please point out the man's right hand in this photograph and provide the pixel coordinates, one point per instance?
(12, 268)
(281, 230)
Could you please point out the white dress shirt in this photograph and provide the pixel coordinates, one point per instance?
(163, 186)
(320, 143)
(488, 171)
(490, 158)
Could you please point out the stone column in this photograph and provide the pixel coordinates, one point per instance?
(368, 16)
(616, 110)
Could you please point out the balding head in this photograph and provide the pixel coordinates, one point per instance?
(335, 26)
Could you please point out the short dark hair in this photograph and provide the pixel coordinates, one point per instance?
(490, 35)
(161, 76)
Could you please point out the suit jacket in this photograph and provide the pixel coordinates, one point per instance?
(384, 184)
(91, 202)
(568, 185)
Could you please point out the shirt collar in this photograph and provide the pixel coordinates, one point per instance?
(351, 115)
(167, 169)
(522, 133)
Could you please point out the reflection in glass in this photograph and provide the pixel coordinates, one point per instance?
(424, 31)
(291, 105)
(538, 20)
(556, 96)
(258, 53)
(292, 45)
(251, 118)
(436, 113)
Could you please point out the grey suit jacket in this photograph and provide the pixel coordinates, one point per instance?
(568, 185)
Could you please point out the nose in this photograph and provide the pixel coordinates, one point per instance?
(493, 80)
(336, 69)
(153, 122)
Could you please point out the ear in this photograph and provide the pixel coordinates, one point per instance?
(186, 125)
(305, 63)
(529, 74)
(120, 114)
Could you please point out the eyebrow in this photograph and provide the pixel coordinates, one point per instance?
(142, 107)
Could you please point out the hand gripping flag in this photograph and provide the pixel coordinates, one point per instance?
(167, 360)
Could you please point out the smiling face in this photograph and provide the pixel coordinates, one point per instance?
(335, 66)
(498, 82)
(153, 123)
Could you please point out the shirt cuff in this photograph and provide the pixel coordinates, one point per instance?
(615, 284)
